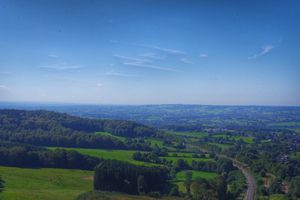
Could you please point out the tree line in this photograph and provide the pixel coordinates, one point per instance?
(113, 175)
(21, 156)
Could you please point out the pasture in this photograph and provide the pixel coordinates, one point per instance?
(44, 183)
(123, 155)
(180, 177)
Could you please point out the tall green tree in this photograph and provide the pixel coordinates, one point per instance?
(141, 184)
(188, 181)
(295, 187)
(1, 184)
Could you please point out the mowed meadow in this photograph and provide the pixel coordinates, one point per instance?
(44, 183)
(127, 155)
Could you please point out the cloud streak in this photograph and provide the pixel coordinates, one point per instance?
(153, 56)
(62, 66)
(264, 50)
(4, 87)
(203, 55)
(99, 85)
(53, 56)
(156, 67)
(186, 61)
(139, 60)
(166, 50)
(113, 73)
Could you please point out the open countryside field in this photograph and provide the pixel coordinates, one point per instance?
(190, 134)
(222, 146)
(126, 155)
(44, 183)
(180, 177)
(248, 140)
(277, 197)
(154, 142)
(187, 159)
(52, 184)
(123, 155)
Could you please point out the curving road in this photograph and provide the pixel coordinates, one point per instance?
(250, 194)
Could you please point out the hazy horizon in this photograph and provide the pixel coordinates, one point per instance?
(143, 52)
(46, 103)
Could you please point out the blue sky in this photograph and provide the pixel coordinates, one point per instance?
(150, 52)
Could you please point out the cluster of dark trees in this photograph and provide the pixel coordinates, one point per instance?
(45, 128)
(236, 183)
(113, 175)
(22, 156)
(220, 165)
(203, 189)
(1, 184)
(152, 156)
(147, 157)
(213, 190)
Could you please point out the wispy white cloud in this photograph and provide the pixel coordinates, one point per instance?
(4, 87)
(62, 66)
(5, 73)
(156, 67)
(53, 56)
(186, 61)
(264, 50)
(166, 50)
(132, 59)
(151, 55)
(203, 55)
(171, 51)
(99, 84)
(113, 73)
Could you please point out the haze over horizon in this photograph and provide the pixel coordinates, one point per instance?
(150, 52)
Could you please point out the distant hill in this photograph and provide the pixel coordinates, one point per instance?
(47, 128)
(183, 117)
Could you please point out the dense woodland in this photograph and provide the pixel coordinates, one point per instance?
(1, 184)
(120, 176)
(20, 156)
(44, 128)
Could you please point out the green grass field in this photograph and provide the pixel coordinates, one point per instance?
(248, 140)
(187, 159)
(295, 155)
(285, 124)
(44, 184)
(123, 155)
(277, 197)
(190, 134)
(180, 177)
(157, 142)
(222, 146)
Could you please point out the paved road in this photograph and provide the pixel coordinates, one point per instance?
(250, 194)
